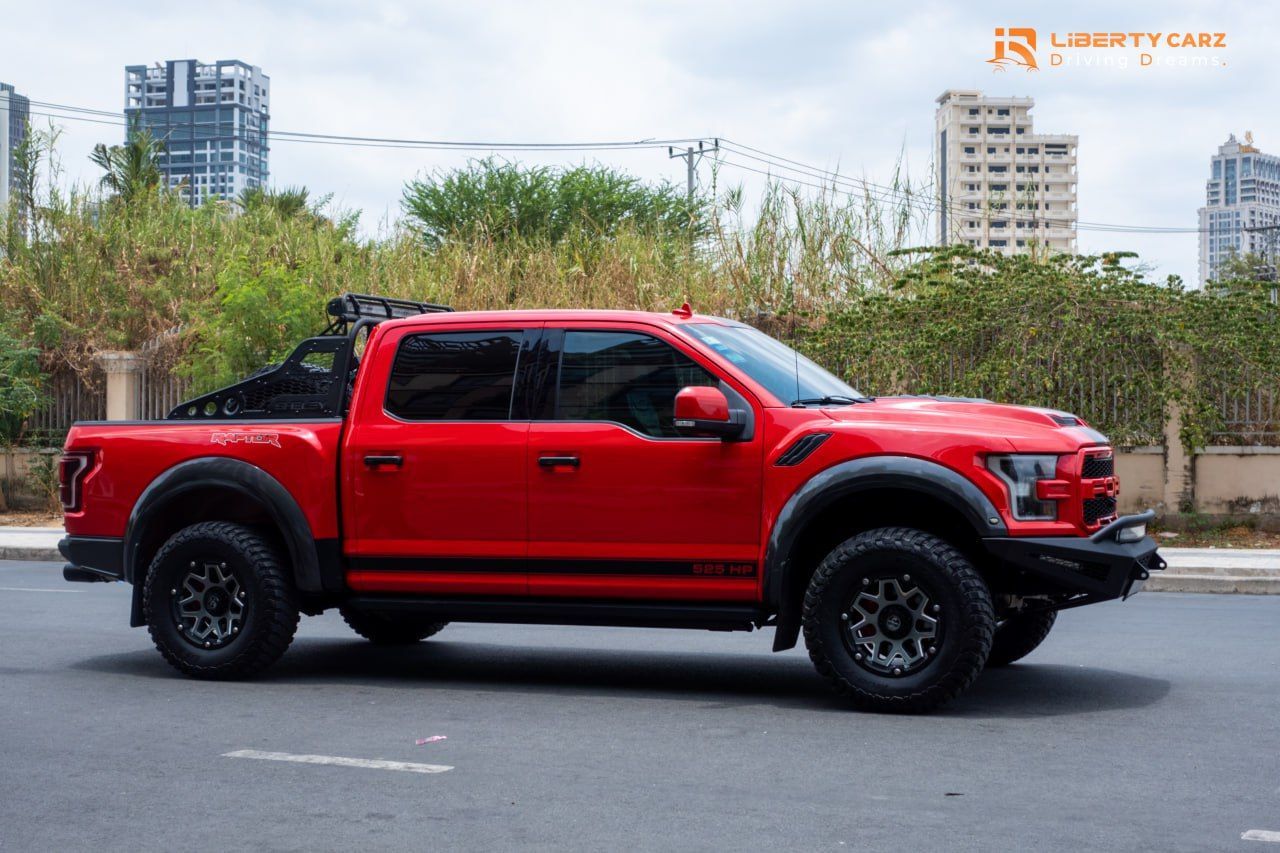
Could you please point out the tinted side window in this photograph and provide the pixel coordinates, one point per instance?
(625, 377)
(454, 376)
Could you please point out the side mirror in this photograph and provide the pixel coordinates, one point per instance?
(704, 411)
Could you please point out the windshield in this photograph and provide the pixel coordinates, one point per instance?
(787, 375)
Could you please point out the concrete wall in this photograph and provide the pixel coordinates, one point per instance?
(15, 480)
(1238, 480)
(1225, 480)
(1141, 473)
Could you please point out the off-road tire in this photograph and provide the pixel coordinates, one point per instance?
(386, 629)
(1019, 636)
(967, 619)
(270, 614)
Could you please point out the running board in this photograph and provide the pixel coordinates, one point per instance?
(630, 614)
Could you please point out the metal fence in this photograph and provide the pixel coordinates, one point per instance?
(71, 397)
(161, 387)
(1112, 393)
(1249, 416)
(160, 390)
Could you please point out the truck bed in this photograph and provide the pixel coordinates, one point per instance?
(301, 454)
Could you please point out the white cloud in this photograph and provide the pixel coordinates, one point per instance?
(828, 83)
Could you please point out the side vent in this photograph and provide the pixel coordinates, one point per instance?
(798, 452)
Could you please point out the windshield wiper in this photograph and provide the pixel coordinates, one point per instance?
(829, 400)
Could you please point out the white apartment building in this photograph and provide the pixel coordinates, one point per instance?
(15, 112)
(1000, 185)
(1241, 214)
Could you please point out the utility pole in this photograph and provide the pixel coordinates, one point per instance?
(692, 156)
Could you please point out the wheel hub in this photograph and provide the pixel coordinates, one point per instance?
(893, 626)
(209, 605)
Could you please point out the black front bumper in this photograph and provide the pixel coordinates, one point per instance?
(91, 559)
(1087, 568)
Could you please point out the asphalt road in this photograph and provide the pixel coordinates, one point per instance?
(1152, 724)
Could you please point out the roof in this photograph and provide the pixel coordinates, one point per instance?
(544, 315)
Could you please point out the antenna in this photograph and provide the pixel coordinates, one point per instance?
(797, 354)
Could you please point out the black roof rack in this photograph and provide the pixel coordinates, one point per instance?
(351, 307)
(315, 380)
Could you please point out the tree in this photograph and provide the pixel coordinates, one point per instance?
(502, 200)
(21, 385)
(132, 169)
(1246, 272)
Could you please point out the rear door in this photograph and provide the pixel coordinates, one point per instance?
(622, 506)
(434, 463)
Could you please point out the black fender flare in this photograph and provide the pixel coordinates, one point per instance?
(236, 476)
(846, 478)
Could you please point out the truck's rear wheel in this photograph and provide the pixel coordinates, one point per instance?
(390, 629)
(218, 603)
(1019, 636)
(898, 620)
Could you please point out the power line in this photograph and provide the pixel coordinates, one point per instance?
(816, 171)
(904, 196)
(828, 179)
(386, 142)
(929, 206)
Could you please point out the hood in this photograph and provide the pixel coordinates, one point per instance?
(1026, 428)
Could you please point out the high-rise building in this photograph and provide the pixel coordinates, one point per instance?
(1000, 185)
(1241, 213)
(15, 115)
(212, 119)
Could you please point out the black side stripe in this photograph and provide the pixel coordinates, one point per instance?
(552, 566)
(798, 452)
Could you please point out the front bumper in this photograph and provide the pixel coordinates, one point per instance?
(1087, 568)
(91, 559)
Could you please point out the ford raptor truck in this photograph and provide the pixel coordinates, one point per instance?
(414, 466)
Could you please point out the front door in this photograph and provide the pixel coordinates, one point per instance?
(622, 506)
(434, 465)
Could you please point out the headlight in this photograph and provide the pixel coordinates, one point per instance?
(1132, 533)
(1020, 472)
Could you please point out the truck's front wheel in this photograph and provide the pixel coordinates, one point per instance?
(218, 602)
(898, 620)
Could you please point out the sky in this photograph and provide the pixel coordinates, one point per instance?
(839, 85)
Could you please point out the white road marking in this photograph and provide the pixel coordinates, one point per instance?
(34, 589)
(368, 763)
(1261, 835)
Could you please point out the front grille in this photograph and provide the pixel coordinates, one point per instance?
(1098, 466)
(1096, 509)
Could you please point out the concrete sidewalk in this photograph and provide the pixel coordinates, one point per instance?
(30, 543)
(1232, 570)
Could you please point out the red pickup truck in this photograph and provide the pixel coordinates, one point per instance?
(414, 466)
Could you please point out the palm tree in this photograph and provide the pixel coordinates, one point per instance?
(132, 168)
(287, 203)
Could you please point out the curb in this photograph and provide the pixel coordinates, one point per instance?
(1223, 584)
(31, 555)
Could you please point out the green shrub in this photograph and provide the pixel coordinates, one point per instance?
(496, 199)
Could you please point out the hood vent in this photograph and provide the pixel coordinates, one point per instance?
(800, 450)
